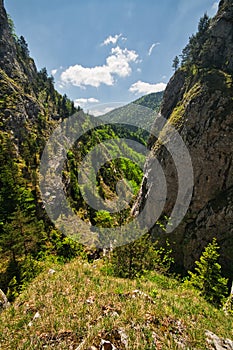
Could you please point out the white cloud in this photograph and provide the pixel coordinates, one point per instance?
(98, 112)
(104, 108)
(81, 76)
(215, 6)
(54, 71)
(213, 9)
(118, 63)
(83, 102)
(141, 87)
(112, 39)
(152, 48)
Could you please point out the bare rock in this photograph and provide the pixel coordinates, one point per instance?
(107, 345)
(217, 343)
(4, 304)
(199, 105)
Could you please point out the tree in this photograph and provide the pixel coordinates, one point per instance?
(175, 64)
(191, 52)
(203, 24)
(23, 46)
(207, 278)
(140, 256)
(12, 27)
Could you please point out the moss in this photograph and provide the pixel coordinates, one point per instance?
(177, 117)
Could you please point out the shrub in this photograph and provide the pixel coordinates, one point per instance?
(137, 258)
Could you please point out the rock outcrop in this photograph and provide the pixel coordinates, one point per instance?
(198, 102)
(4, 304)
(216, 343)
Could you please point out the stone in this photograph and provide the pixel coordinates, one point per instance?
(4, 304)
(217, 343)
(106, 345)
(36, 317)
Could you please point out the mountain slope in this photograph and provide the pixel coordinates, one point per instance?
(138, 115)
(78, 305)
(30, 110)
(198, 102)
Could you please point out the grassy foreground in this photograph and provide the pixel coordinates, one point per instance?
(79, 305)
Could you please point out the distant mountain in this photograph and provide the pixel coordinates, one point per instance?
(139, 115)
(152, 101)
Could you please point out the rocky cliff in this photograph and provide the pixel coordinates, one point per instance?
(198, 102)
(29, 103)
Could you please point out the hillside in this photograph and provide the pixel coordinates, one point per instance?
(138, 115)
(30, 110)
(80, 307)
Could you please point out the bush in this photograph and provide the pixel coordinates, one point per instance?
(137, 258)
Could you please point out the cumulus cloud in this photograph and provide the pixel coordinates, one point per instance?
(141, 87)
(112, 39)
(83, 102)
(152, 48)
(81, 76)
(118, 63)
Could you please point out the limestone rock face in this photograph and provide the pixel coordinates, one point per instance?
(217, 343)
(27, 99)
(10, 62)
(198, 102)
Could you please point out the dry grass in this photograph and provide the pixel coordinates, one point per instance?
(80, 305)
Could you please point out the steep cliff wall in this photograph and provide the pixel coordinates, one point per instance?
(198, 101)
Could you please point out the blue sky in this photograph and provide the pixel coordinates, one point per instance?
(104, 53)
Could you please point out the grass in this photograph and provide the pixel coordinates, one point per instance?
(79, 304)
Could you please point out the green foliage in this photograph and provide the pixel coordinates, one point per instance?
(139, 257)
(124, 114)
(228, 306)
(25, 233)
(23, 273)
(207, 278)
(65, 248)
(175, 64)
(203, 24)
(23, 47)
(193, 50)
(152, 101)
(12, 27)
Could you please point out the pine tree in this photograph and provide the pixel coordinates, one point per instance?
(23, 46)
(207, 278)
(176, 63)
(203, 24)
